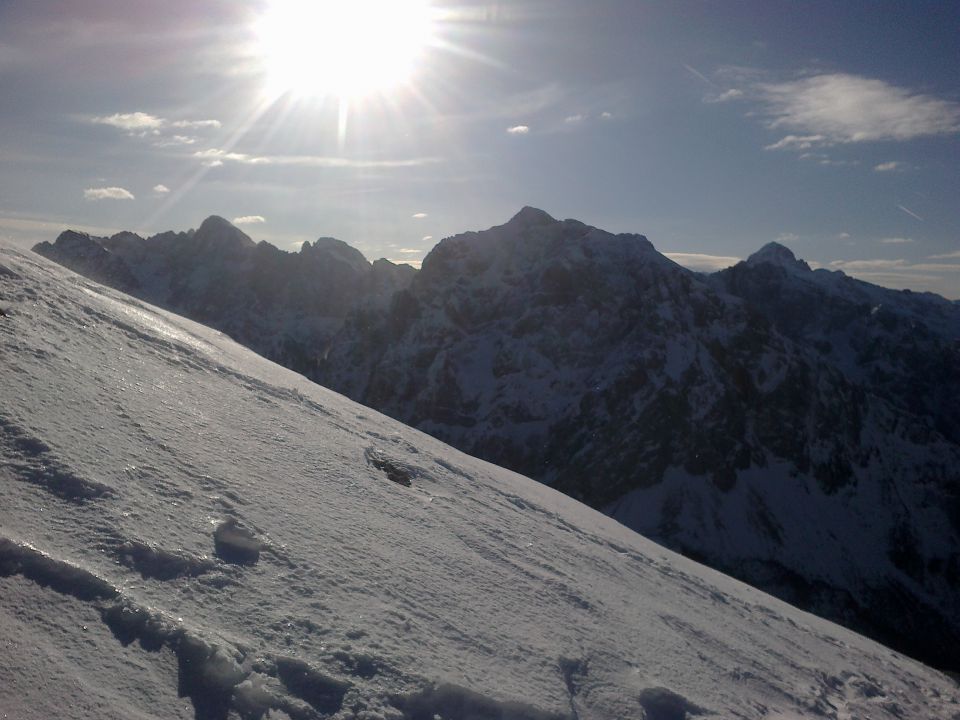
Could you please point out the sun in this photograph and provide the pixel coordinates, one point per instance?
(345, 48)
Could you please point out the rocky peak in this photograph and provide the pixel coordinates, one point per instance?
(774, 253)
(338, 250)
(216, 232)
(531, 217)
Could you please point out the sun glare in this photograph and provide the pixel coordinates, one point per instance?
(344, 48)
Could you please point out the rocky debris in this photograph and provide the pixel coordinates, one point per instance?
(236, 544)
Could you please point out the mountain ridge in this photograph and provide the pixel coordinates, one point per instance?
(748, 433)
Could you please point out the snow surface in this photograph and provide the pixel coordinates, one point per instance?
(188, 530)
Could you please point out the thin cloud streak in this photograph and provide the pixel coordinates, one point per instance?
(214, 157)
(910, 212)
(141, 121)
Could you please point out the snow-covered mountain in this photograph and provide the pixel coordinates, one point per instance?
(687, 408)
(286, 306)
(593, 363)
(190, 531)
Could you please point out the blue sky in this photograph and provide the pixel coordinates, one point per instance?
(712, 127)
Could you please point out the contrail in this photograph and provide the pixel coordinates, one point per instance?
(910, 212)
(694, 71)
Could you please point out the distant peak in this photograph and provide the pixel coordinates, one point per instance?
(215, 222)
(531, 216)
(221, 232)
(774, 253)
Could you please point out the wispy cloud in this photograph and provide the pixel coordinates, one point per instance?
(843, 108)
(196, 124)
(107, 193)
(700, 262)
(910, 212)
(888, 166)
(945, 256)
(796, 142)
(419, 215)
(896, 240)
(427, 238)
(139, 122)
(130, 122)
(409, 251)
(160, 189)
(249, 220)
(725, 96)
(215, 157)
(574, 119)
(877, 265)
(787, 238)
(175, 140)
(519, 130)
(606, 115)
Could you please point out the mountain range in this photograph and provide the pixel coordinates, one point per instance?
(796, 428)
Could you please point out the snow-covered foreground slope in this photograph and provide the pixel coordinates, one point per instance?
(187, 530)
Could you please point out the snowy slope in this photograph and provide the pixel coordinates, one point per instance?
(188, 530)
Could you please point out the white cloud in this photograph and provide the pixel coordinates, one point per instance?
(249, 220)
(797, 142)
(409, 251)
(176, 140)
(161, 189)
(196, 124)
(140, 122)
(131, 122)
(606, 115)
(700, 262)
(214, 157)
(787, 237)
(896, 240)
(107, 193)
(573, 119)
(888, 166)
(945, 256)
(518, 130)
(419, 215)
(843, 236)
(850, 108)
(427, 238)
(727, 96)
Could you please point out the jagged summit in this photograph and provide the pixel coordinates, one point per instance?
(338, 250)
(530, 217)
(776, 254)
